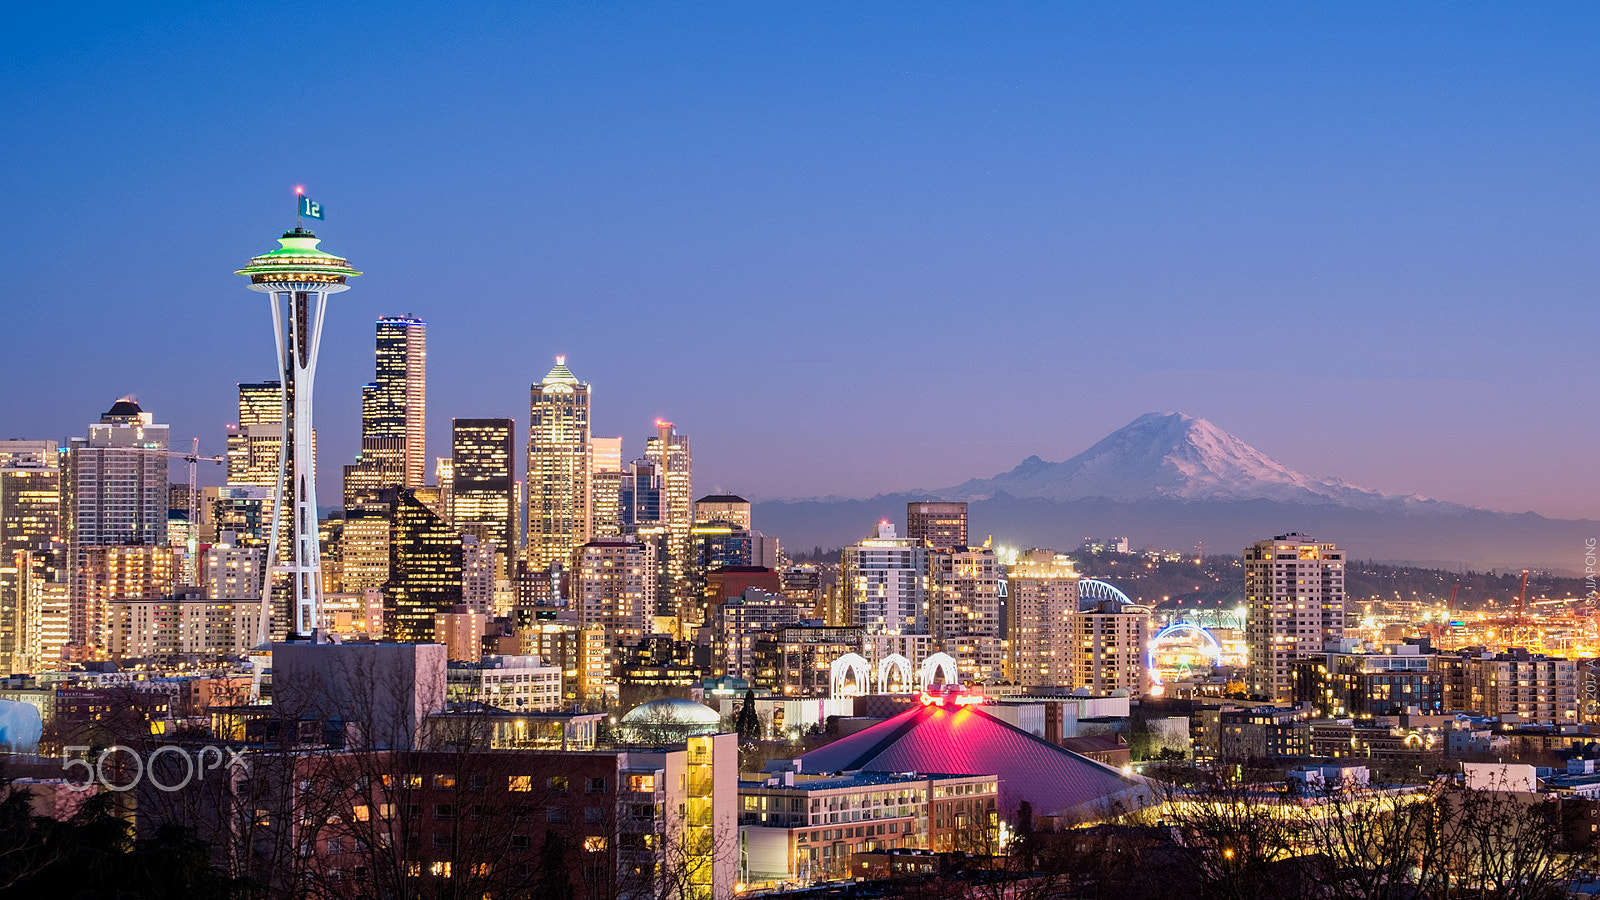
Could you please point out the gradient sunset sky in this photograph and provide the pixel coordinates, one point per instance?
(848, 248)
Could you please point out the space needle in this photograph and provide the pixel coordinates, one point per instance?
(298, 278)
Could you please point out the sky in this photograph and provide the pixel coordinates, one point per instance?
(848, 248)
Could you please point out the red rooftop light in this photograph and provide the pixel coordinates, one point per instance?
(959, 699)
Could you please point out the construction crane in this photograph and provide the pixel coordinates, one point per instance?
(1522, 597)
(193, 458)
(1443, 627)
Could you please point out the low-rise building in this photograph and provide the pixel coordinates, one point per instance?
(1385, 740)
(1262, 732)
(795, 827)
(1532, 687)
(797, 661)
(1362, 684)
(516, 683)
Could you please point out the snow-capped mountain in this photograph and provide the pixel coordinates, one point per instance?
(1171, 480)
(1172, 456)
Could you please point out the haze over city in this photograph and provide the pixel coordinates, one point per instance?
(849, 249)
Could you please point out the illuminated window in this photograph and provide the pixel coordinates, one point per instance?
(594, 844)
(519, 783)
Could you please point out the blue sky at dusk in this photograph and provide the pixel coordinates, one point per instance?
(849, 248)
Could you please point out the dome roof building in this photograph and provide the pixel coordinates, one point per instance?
(669, 719)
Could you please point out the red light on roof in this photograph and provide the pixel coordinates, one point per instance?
(299, 190)
(939, 699)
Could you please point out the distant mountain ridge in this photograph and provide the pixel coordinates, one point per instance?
(1172, 480)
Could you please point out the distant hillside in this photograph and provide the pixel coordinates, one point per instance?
(1219, 581)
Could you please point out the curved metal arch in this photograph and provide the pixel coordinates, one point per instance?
(1209, 639)
(939, 664)
(1093, 589)
(890, 664)
(851, 665)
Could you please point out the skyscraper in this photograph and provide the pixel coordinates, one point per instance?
(395, 405)
(1043, 599)
(964, 609)
(254, 460)
(255, 442)
(883, 584)
(730, 508)
(483, 484)
(558, 467)
(424, 569)
(1294, 598)
(669, 450)
(943, 525)
(30, 521)
(639, 497)
(379, 466)
(114, 495)
(605, 486)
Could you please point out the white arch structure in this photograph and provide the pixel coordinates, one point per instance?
(939, 664)
(1092, 590)
(850, 665)
(889, 665)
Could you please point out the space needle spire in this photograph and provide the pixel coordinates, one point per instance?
(298, 278)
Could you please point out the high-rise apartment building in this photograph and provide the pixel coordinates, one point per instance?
(482, 490)
(605, 486)
(30, 522)
(122, 585)
(230, 572)
(1043, 598)
(558, 467)
(964, 610)
(614, 586)
(942, 525)
(669, 450)
(1109, 644)
(883, 584)
(1294, 598)
(424, 569)
(395, 405)
(114, 494)
(47, 607)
